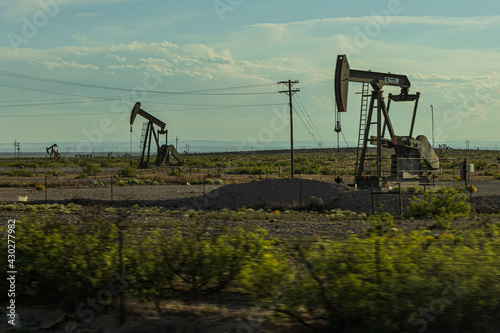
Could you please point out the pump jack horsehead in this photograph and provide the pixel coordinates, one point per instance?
(414, 159)
(164, 151)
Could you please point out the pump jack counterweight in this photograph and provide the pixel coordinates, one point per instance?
(163, 151)
(414, 159)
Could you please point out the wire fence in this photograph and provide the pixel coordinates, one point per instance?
(104, 188)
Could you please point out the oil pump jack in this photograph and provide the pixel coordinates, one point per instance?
(52, 152)
(414, 159)
(163, 151)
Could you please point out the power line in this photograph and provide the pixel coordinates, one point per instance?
(193, 92)
(84, 99)
(310, 124)
(44, 91)
(311, 134)
(107, 113)
(310, 120)
(347, 145)
(306, 124)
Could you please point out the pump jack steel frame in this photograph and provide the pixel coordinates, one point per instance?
(52, 152)
(163, 151)
(409, 152)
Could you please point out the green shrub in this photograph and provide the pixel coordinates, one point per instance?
(447, 202)
(480, 164)
(382, 222)
(135, 182)
(442, 222)
(328, 171)
(218, 182)
(89, 168)
(40, 187)
(127, 172)
(21, 173)
(175, 172)
(413, 190)
(105, 164)
(209, 181)
(195, 260)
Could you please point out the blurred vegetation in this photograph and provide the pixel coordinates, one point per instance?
(387, 283)
(384, 280)
(445, 203)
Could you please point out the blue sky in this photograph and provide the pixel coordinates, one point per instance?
(450, 50)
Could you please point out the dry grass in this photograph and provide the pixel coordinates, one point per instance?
(12, 183)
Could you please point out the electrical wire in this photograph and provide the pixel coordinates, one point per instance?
(302, 114)
(86, 99)
(45, 91)
(347, 145)
(157, 111)
(306, 126)
(192, 92)
(309, 118)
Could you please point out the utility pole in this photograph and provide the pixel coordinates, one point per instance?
(290, 93)
(16, 149)
(176, 142)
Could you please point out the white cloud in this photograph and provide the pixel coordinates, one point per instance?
(269, 53)
(59, 63)
(116, 57)
(472, 23)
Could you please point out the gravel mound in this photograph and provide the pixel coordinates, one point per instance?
(269, 193)
(288, 193)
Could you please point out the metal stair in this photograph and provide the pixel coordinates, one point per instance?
(365, 100)
(143, 134)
